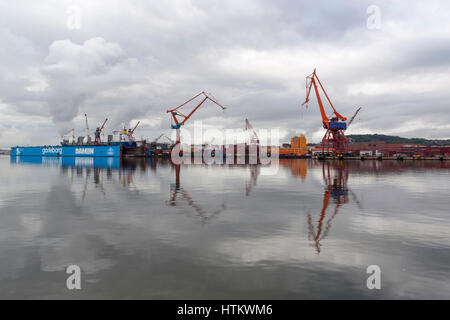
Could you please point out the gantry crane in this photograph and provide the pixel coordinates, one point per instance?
(176, 113)
(334, 141)
(98, 131)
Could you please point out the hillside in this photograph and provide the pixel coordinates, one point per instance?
(396, 139)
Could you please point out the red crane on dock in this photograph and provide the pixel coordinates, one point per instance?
(334, 141)
(176, 114)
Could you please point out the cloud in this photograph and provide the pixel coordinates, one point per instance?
(131, 61)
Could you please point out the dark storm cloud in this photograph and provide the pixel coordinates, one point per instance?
(131, 61)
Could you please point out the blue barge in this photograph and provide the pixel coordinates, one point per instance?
(69, 151)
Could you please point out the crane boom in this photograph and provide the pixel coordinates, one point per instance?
(162, 135)
(310, 83)
(159, 137)
(132, 131)
(248, 127)
(169, 139)
(103, 125)
(351, 120)
(176, 113)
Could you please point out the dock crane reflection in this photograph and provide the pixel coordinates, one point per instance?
(336, 189)
(254, 173)
(177, 190)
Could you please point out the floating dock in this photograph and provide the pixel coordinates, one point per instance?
(69, 151)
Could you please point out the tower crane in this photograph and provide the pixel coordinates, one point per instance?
(98, 131)
(334, 141)
(253, 136)
(180, 119)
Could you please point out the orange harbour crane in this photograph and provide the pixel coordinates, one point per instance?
(334, 141)
(177, 115)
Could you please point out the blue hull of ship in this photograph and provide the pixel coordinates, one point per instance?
(68, 151)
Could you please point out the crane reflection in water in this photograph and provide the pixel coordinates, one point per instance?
(180, 197)
(335, 176)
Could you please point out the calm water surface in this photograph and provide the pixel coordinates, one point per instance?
(309, 231)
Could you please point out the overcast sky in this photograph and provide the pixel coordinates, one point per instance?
(131, 60)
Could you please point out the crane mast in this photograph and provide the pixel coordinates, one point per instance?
(86, 137)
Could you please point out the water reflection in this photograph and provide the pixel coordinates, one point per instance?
(145, 228)
(335, 177)
(298, 167)
(254, 174)
(180, 197)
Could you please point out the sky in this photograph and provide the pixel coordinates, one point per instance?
(130, 61)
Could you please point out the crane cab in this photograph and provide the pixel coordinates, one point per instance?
(338, 125)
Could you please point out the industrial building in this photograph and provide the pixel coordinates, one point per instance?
(297, 147)
(397, 149)
(381, 148)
